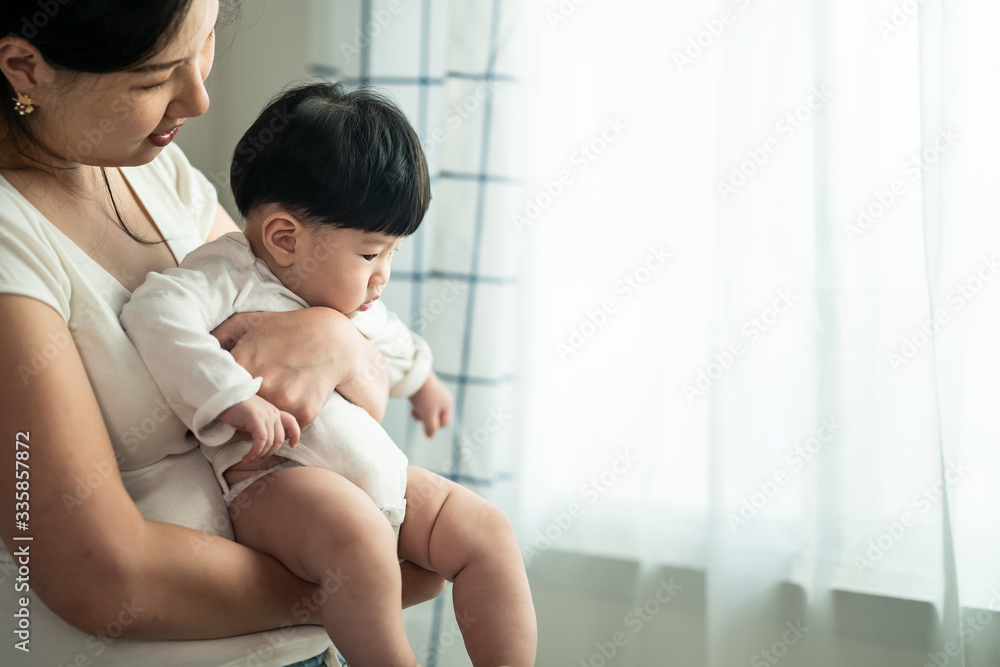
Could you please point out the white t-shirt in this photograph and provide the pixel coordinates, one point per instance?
(161, 467)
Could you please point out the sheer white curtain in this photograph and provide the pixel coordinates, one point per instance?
(763, 300)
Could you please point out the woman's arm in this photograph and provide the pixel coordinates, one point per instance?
(305, 355)
(89, 559)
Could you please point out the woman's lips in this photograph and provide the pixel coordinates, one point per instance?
(161, 139)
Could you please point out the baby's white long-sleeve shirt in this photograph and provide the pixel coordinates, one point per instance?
(170, 318)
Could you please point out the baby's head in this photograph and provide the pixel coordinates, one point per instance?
(329, 180)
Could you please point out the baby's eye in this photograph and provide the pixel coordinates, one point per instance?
(369, 258)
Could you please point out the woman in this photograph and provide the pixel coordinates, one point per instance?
(115, 497)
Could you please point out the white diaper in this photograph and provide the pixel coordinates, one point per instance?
(344, 438)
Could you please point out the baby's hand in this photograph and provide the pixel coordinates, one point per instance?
(432, 404)
(266, 424)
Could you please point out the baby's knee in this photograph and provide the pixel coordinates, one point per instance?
(495, 522)
(485, 527)
(352, 530)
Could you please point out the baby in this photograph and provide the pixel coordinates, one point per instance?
(329, 181)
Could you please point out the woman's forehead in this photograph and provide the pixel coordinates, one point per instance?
(198, 24)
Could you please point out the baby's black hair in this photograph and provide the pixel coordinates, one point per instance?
(334, 155)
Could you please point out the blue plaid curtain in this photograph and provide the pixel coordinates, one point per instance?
(450, 64)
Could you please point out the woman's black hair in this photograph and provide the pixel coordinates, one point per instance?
(339, 156)
(93, 36)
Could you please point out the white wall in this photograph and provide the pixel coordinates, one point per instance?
(256, 56)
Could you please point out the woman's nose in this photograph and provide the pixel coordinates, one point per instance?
(193, 103)
(193, 98)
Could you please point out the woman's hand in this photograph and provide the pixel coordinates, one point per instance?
(304, 356)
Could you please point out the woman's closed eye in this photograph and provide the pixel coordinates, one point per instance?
(155, 85)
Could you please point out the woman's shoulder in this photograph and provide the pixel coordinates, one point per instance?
(31, 258)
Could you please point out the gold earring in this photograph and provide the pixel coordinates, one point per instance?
(23, 104)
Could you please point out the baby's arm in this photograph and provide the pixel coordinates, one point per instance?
(266, 424)
(406, 355)
(432, 404)
(408, 359)
(169, 319)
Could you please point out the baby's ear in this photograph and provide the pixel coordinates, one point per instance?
(281, 233)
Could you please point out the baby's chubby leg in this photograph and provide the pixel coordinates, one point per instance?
(325, 529)
(456, 533)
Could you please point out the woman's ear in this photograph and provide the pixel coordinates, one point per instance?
(282, 235)
(23, 65)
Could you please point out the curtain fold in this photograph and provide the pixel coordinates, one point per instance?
(795, 383)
